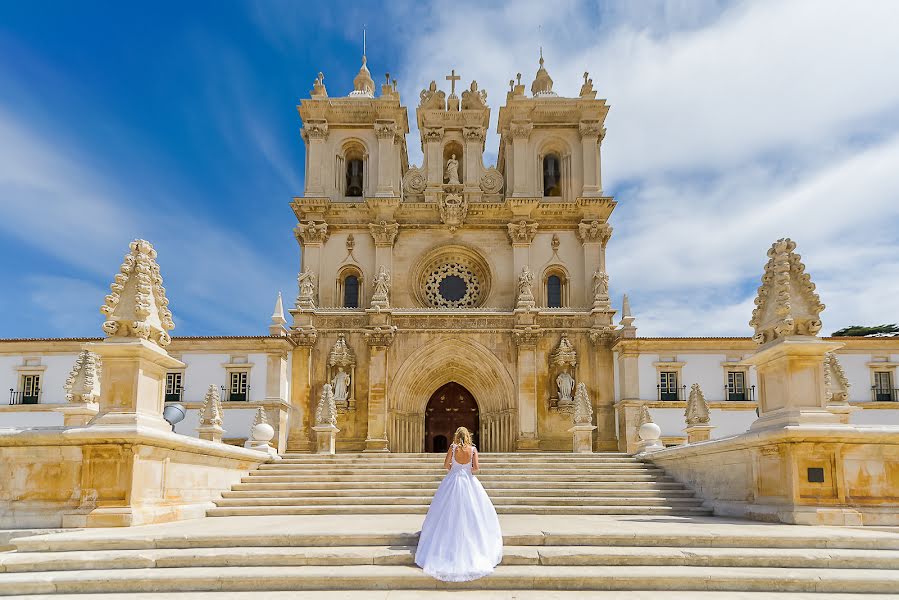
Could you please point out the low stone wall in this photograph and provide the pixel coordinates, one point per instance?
(803, 475)
(108, 477)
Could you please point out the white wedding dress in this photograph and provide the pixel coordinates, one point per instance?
(460, 538)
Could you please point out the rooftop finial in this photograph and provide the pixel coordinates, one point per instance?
(543, 83)
(363, 43)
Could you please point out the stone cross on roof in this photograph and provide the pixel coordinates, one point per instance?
(453, 78)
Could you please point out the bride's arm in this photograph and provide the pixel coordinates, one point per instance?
(475, 467)
(448, 461)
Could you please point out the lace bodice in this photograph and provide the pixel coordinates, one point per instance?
(456, 464)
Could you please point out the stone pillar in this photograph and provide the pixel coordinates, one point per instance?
(474, 149)
(791, 382)
(301, 391)
(604, 395)
(276, 393)
(526, 367)
(379, 339)
(582, 438)
(386, 132)
(521, 131)
(433, 137)
(326, 439)
(315, 133)
(698, 433)
(590, 133)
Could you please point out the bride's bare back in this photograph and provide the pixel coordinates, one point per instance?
(464, 455)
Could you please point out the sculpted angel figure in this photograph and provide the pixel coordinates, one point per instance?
(306, 280)
(452, 171)
(382, 283)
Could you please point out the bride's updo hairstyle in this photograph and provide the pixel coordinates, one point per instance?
(462, 437)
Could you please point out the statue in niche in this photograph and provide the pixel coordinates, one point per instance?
(306, 282)
(452, 171)
(565, 383)
(341, 387)
(600, 285)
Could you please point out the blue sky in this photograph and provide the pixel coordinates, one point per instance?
(732, 124)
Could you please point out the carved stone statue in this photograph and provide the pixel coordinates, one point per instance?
(306, 283)
(432, 97)
(381, 296)
(452, 171)
(474, 98)
(525, 281)
(697, 412)
(583, 409)
(600, 285)
(565, 383)
(341, 386)
(326, 411)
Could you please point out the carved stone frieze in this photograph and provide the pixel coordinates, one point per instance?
(316, 130)
(384, 233)
(381, 336)
(522, 232)
(590, 129)
(521, 129)
(433, 134)
(311, 232)
(304, 336)
(385, 129)
(526, 336)
(787, 303)
(491, 181)
(594, 231)
(476, 134)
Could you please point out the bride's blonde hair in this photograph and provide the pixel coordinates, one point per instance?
(462, 437)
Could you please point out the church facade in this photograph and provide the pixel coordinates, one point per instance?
(456, 293)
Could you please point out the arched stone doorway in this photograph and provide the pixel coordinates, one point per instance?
(450, 407)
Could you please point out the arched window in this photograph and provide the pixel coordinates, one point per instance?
(552, 175)
(351, 166)
(351, 291)
(554, 291)
(354, 177)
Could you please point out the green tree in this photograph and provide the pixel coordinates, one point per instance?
(863, 330)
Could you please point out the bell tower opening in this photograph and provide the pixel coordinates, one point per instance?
(450, 407)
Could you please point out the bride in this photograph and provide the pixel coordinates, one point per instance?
(460, 538)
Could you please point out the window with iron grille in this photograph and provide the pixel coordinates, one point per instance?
(173, 386)
(736, 385)
(237, 390)
(668, 385)
(31, 389)
(883, 386)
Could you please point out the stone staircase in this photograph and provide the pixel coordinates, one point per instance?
(578, 554)
(538, 483)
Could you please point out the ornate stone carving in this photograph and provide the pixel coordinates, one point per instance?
(385, 129)
(316, 130)
(601, 298)
(137, 305)
(305, 336)
(491, 181)
(473, 98)
(381, 336)
(526, 336)
(786, 303)
(461, 270)
(521, 129)
(836, 384)
(384, 233)
(381, 297)
(587, 88)
(643, 418)
(525, 293)
(555, 242)
(522, 232)
(453, 210)
(563, 360)
(311, 232)
(564, 355)
(326, 411)
(318, 87)
(590, 129)
(211, 412)
(342, 374)
(475, 134)
(543, 83)
(697, 412)
(306, 282)
(83, 383)
(594, 231)
(260, 418)
(583, 408)
(350, 243)
(433, 134)
(452, 171)
(432, 98)
(415, 181)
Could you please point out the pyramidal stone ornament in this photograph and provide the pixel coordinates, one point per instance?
(786, 304)
(697, 412)
(83, 383)
(835, 382)
(210, 427)
(326, 422)
(583, 409)
(137, 306)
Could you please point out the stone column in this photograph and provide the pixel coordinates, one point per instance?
(312, 236)
(629, 388)
(379, 339)
(315, 133)
(474, 148)
(590, 132)
(386, 132)
(384, 234)
(521, 131)
(299, 420)
(433, 137)
(275, 394)
(594, 237)
(604, 395)
(526, 367)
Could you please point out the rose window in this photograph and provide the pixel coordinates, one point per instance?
(453, 285)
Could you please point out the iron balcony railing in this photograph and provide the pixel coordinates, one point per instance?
(33, 397)
(883, 394)
(229, 396)
(176, 396)
(744, 395)
(671, 393)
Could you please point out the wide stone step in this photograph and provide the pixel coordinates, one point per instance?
(371, 477)
(404, 555)
(439, 470)
(432, 485)
(438, 460)
(432, 455)
(429, 492)
(573, 500)
(512, 577)
(521, 509)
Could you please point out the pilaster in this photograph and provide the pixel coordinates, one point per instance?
(315, 133)
(521, 132)
(298, 438)
(379, 335)
(526, 338)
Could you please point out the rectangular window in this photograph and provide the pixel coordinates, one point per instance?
(736, 386)
(173, 387)
(31, 389)
(883, 386)
(238, 388)
(668, 385)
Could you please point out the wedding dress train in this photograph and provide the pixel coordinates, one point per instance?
(460, 538)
